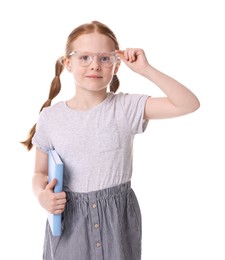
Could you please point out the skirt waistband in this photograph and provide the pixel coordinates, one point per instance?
(95, 195)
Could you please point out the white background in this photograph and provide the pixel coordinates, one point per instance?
(178, 163)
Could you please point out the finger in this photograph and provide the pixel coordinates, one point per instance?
(60, 202)
(126, 54)
(129, 54)
(132, 53)
(58, 208)
(60, 195)
(58, 211)
(123, 55)
(51, 185)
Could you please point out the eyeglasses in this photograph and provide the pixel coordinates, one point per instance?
(86, 58)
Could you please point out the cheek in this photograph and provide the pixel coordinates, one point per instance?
(76, 69)
(110, 75)
(110, 71)
(73, 65)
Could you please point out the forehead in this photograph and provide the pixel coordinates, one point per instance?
(94, 42)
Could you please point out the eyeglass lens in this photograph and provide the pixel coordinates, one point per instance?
(105, 59)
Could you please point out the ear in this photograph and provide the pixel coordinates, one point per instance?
(67, 63)
(117, 66)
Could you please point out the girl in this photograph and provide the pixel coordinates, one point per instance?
(93, 133)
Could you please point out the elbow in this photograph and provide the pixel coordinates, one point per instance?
(194, 106)
(190, 107)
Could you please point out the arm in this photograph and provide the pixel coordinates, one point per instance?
(178, 101)
(52, 202)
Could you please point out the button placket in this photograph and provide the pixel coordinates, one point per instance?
(96, 229)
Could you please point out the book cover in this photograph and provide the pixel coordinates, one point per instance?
(55, 170)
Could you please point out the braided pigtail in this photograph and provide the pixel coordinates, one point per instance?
(54, 91)
(114, 84)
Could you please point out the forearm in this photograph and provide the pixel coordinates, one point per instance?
(177, 93)
(39, 182)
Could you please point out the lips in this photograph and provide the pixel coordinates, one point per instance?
(94, 77)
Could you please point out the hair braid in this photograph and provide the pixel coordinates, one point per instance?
(53, 92)
(114, 84)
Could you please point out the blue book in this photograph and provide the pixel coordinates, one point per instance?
(55, 170)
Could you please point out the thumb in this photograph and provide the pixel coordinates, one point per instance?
(51, 184)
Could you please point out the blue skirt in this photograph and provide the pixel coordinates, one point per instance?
(100, 225)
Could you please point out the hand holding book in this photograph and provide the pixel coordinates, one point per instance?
(55, 179)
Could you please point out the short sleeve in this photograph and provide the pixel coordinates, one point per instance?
(40, 138)
(133, 106)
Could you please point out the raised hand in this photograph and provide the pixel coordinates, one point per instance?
(134, 58)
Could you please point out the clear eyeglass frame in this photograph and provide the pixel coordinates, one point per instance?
(106, 59)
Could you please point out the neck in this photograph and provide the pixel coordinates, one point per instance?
(84, 100)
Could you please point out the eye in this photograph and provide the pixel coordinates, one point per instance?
(85, 57)
(106, 58)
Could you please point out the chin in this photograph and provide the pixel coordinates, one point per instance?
(97, 89)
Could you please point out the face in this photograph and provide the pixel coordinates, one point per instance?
(97, 75)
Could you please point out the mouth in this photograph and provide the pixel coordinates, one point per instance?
(94, 77)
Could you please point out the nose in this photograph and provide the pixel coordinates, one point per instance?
(95, 64)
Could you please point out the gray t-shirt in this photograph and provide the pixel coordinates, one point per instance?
(96, 145)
